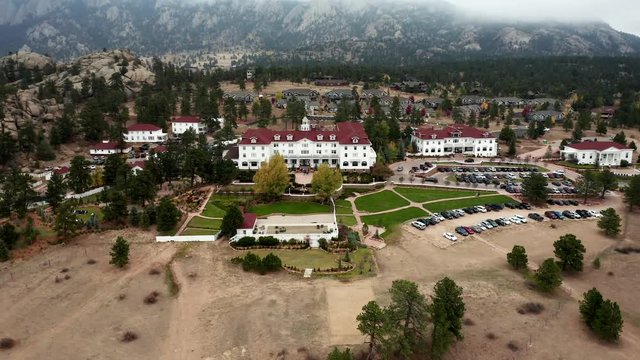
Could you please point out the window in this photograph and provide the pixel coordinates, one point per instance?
(334, 145)
(290, 145)
(320, 137)
(275, 145)
(364, 163)
(345, 148)
(334, 152)
(276, 137)
(305, 145)
(315, 161)
(319, 145)
(355, 148)
(332, 137)
(253, 140)
(244, 155)
(253, 148)
(334, 162)
(254, 163)
(354, 163)
(304, 152)
(289, 137)
(355, 139)
(244, 163)
(319, 152)
(345, 163)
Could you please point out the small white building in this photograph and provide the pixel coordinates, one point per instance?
(180, 124)
(455, 139)
(145, 133)
(345, 145)
(604, 153)
(106, 148)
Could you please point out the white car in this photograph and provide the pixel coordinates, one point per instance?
(487, 225)
(481, 208)
(418, 225)
(559, 172)
(482, 227)
(506, 221)
(450, 236)
(439, 217)
(515, 220)
(521, 218)
(594, 213)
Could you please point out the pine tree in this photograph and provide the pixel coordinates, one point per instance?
(570, 251)
(589, 306)
(607, 323)
(120, 253)
(610, 222)
(517, 258)
(4, 252)
(548, 277)
(232, 221)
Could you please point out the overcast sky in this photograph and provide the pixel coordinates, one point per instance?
(623, 15)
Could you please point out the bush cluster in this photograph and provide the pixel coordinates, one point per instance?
(264, 241)
(253, 263)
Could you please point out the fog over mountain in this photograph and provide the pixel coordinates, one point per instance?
(356, 31)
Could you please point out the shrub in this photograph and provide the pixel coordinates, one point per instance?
(596, 263)
(268, 241)
(468, 322)
(530, 308)
(252, 262)
(154, 271)
(624, 163)
(513, 346)
(152, 298)
(246, 241)
(548, 277)
(7, 343)
(91, 262)
(491, 336)
(129, 336)
(271, 263)
(517, 258)
(324, 245)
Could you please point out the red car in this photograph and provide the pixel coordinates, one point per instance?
(469, 230)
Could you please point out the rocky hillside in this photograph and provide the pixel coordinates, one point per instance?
(28, 105)
(371, 31)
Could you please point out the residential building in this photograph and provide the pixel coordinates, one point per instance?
(467, 110)
(180, 124)
(371, 93)
(607, 113)
(543, 115)
(330, 82)
(144, 133)
(603, 153)
(345, 145)
(542, 101)
(455, 139)
(106, 148)
(433, 102)
(508, 101)
(339, 94)
(472, 99)
(291, 94)
(137, 166)
(239, 96)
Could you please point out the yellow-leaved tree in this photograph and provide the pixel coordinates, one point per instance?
(272, 178)
(326, 181)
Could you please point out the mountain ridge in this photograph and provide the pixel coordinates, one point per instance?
(314, 30)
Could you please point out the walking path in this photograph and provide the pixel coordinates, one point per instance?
(198, 211)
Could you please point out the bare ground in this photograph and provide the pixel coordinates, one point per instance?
(223, 313)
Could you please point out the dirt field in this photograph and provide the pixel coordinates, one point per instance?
(223, 313)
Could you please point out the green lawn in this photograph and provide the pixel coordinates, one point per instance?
(212, 210)
(302, 259)
(384, 200)
(393, 218)
(348, 220)
(424, 195)
(202, 223)
(577, 166)
(457, 204)
(195, 231)
(90, 209)
(343, 207)
(290, 207)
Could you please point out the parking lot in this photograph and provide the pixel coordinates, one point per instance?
(484, 220)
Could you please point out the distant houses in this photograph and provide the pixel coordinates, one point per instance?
(544, 115)
(240, 96)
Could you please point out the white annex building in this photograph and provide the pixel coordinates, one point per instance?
(144, 133)
(106, 148)
(455, 139)
(180, 124)
(345, 145)
(604, 153)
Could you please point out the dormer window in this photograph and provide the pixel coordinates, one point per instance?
(320, 137)
(434, 136)
(355, 139)
(289, 137)
(332, 137)
(276, 137)
(254, 140)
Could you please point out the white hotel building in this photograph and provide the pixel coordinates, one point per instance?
(346, 146)
(144, 133)
(603, 153)
(180, 124)
(455, 139)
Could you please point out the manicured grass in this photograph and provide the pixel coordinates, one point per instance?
(577, 166)
(393, 218)
(290, 207)
(195, 231)
(365, 265)
(424, 195)
(213, 211)
(384, 200)
(90, 209)
(343, 207)
(302, 259)
(348, 220)
(202, 223)
(461, 203)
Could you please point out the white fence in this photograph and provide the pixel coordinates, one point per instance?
(187, 238)
(85, 194)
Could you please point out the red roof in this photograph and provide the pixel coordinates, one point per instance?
(159, 149)
(597, 145)
(139, 163)
(249, 221)
(464, 131)
(345, 133)
(61, 170)
(186, 119)
(105, 146)
(143, 127)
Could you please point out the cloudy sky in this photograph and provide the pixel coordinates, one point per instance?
(623, 15)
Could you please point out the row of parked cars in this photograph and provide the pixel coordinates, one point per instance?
(486, 169)
(569, 214)
(457, 213)
(562, 202)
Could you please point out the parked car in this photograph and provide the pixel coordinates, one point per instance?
(418, 225)
(450, 236)
(460, 230)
